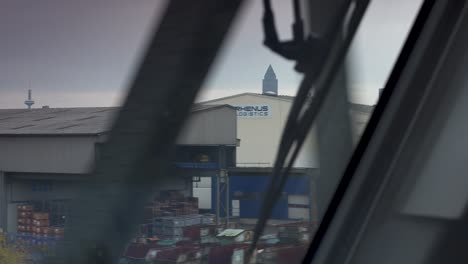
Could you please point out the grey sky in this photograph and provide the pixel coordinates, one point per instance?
(81, 53)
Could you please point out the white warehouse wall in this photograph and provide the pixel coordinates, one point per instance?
(260, 136)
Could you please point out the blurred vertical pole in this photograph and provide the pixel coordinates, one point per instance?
(3, 202)
(313, 210)
(333, 126)
(137, 156)
(228, 201)
(222, 188)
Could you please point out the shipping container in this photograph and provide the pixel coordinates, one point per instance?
(281, 254)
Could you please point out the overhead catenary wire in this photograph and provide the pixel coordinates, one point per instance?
(305, 109)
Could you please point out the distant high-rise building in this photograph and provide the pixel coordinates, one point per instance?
(270, 83)
(29, 102)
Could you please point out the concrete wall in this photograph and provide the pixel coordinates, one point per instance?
(210, 127)
(47, 154)
(18, 191)
(75, 154)
(260, 136)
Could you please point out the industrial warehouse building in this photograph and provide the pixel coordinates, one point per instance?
(261, 118)
(44, 151)
(224, 156)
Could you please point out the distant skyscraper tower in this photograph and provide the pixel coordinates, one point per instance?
(270, 83)
(29, 102)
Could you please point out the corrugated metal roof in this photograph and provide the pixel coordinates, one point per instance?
(64, 121)
(203, 107)
(273, 97)
(353, 106)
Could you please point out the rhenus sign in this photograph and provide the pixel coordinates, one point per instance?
(253, 111)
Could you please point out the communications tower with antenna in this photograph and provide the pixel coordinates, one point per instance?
(29, 102)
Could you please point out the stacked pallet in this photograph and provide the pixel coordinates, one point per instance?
(171, 228)
(24, 218)
(170, 204)
(36, 226)
(182, 206)
(200, 228)
(202, 233)
(40, 222)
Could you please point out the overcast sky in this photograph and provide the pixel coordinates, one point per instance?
(82, 53)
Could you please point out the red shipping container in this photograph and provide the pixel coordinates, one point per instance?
(283, 254)
(192, 232)
(198, 231)
(175, 254)
(223, 254)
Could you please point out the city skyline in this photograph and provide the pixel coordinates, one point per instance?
(84, 54)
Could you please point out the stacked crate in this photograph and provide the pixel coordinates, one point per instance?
(179, 206)
(24, 218)
(176, 206)
(188, 206)
(202, 234)
(208, 219)
(294, 234)
(41, 223)
(172, 227)
(57, 232)
(151, 212)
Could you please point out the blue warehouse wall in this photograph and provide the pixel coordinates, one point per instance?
(249, 190)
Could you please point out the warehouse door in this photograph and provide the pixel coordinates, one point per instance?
(11, 218)
(202, 190)
(49, 196)
(235, 205)
(298, 207)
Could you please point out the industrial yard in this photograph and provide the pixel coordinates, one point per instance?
(174, 234)
(205, 212)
